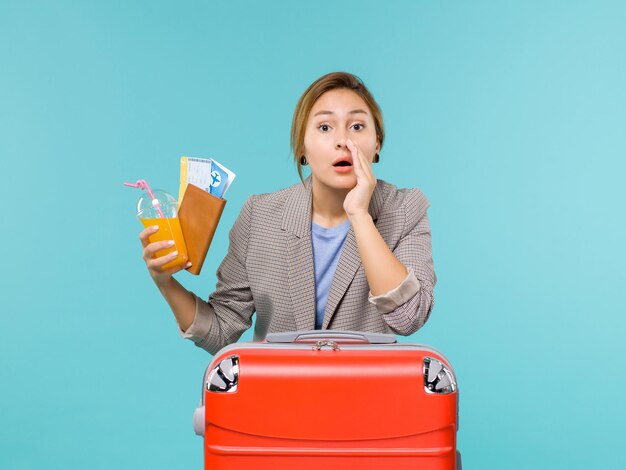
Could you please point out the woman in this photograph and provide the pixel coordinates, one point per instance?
(340, 250)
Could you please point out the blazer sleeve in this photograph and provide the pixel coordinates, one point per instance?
(228, 312)
(406, 308)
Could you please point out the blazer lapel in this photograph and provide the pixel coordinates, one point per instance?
(349, 261)
(300, 268)
(348, 264)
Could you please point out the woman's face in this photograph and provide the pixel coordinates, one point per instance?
(336, 116)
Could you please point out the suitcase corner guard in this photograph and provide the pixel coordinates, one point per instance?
(224, 376)
(438, 378)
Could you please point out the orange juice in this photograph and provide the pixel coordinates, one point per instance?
(169, 229)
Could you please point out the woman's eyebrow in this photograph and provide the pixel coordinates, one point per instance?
(354, 111)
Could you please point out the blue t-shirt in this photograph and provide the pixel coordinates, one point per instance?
(327, 245)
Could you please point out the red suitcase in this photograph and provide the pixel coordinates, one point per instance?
(329, 399)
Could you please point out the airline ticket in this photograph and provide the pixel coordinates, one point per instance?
(206, 173)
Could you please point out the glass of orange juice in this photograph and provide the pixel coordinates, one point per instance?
(162, 210)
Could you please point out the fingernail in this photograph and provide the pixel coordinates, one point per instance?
(155, 227)
(174, 254)
(189, 264)
(170, 242)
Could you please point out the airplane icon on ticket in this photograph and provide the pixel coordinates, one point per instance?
(216, 178)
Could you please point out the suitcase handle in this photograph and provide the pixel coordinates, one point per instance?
(334, 335)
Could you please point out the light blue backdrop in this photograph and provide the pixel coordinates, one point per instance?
(509, 115)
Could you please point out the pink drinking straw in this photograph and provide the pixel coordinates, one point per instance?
(143, 184)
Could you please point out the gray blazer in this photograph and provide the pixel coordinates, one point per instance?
(269, 269)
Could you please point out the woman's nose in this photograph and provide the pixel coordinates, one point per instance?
(341, 144)
(341, 136)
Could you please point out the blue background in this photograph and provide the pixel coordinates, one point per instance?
(509, 115)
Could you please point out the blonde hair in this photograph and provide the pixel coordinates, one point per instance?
(328, 82)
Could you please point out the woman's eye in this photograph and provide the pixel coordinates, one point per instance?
(324, 127)
(358, 127)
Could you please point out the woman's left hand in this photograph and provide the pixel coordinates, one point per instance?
(357, 200)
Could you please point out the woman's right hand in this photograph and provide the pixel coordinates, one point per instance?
(155, 265)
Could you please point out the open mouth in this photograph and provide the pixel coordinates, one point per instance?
(342, 162)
